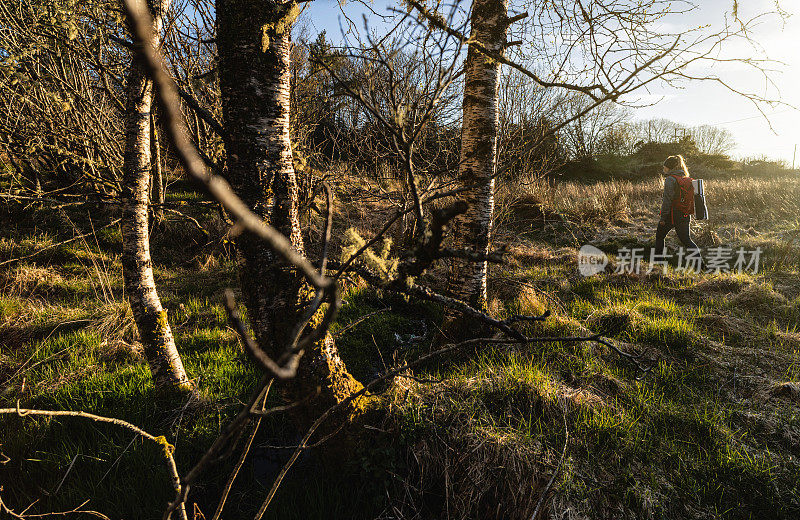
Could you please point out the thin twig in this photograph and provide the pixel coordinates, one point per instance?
(12, 260)
(161, 441)
(630, 357)
(191, 219)
(556, 471)
(359, 320)
(242, 457)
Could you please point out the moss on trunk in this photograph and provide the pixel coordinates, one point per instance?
(137, 269)
(253, 38)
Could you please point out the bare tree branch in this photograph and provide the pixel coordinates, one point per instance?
(166, 450)
(216, 186)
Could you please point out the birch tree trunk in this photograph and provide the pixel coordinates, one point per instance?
(157, 189)
(140, 288)
(253, 40)
(467, 280)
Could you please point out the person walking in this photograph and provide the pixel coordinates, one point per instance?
(677, 204)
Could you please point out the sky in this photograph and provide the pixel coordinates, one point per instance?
(706, 103)
(690, 103)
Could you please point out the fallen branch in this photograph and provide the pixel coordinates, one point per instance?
(52, 246)
(167, 448)
(7, 510)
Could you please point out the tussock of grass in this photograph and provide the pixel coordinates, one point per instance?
(787, 390)
(760, 298)
(530, 302)
(612, 321)
(114, 322)
(723, 283)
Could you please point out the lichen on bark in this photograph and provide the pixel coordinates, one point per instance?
(150, 317)
(253, 38)
(279, 24)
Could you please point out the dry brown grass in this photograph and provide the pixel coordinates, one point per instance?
(114, 322)
(597, 203)
(26, 280)
(731, 328)
(28, 314)
(476, 463)
(23, 320)
(773, 197)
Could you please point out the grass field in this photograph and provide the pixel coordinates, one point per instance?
(708, 432)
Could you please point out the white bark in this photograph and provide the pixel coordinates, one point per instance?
(477, 165)
(140, 288)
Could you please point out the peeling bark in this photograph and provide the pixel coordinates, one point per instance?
(467, 280)
(253, 39)
(140, 288)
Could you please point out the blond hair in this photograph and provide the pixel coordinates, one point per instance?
(674, 162)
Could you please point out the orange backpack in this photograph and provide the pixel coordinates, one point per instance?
(684, 198)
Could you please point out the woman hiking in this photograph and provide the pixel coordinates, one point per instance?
(677, 204)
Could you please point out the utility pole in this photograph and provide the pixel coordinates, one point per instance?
(794, 155)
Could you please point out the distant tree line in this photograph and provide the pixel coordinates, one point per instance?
(64, 70)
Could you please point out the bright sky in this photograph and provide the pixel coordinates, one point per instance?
(706, 103)
(694, 103)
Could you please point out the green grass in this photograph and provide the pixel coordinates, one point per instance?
(68, 335)
(670, 437)
(697, 437)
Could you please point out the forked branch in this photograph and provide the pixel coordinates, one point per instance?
(166, 450)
